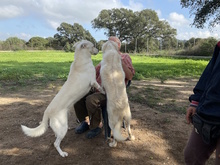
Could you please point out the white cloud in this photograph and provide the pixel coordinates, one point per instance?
(54, 12)
(197, 34)
(57, 10)
(159, 13)
(10, 11)
(22, 35)
(135, 6)
(177, 20)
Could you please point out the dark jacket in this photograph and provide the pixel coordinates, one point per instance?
(207, 89)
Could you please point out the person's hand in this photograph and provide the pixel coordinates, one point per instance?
(189, 113)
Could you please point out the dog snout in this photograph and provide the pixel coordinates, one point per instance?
(95, 51)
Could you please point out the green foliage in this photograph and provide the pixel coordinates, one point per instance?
(13, 43)
(67, 47)
(38, 43)
(200, 47)
(134, 27)
(46, 66)
(71, 34)
(116, 21)
(203, 11)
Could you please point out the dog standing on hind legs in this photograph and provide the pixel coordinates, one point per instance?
(80, 80)
(113, 81)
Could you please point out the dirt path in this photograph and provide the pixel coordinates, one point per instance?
(160, 135)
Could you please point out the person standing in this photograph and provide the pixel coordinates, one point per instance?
(204, 113)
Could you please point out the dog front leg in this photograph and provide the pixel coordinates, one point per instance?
(98, 87)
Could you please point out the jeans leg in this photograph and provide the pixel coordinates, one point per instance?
(196, 151)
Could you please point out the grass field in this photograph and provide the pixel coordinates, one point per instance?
(23, 66)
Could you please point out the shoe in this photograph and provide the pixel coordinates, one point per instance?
(83, 127)
(93, 133)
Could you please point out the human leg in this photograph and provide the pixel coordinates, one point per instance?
(81, 114)
(94, 103)
(197, 152)
(80, 109)
(217, 159)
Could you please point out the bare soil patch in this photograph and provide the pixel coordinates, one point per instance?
(158, 125)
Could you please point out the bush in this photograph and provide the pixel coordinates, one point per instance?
(204, 47)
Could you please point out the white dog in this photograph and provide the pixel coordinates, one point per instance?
(113, 81)
(80, 80)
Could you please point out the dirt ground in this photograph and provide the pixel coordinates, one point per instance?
(160, 135)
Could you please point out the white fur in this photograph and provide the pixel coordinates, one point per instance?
(80, 79)
(113, 81)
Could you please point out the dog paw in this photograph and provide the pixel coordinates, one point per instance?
(101, 90)
(113, 144)
(64, 154)
(131, 138)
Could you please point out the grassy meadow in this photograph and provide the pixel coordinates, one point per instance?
(22, 67)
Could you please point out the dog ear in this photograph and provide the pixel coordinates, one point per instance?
(75, 44)
(103, 47)
(83, 45)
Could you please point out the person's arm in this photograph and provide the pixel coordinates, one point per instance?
(204, 79)
(128, 74)
(127, 67)
(200, 86)
(98, 77)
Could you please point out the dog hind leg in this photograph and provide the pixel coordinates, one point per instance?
(113, 143)
(60, 130)
(57, 146)
(128, 120)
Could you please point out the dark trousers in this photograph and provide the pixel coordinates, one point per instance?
(91, 105)
(197, 152)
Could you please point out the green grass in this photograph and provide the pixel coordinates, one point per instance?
(167, 67)
(23, 66)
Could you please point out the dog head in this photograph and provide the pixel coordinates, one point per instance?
(87, 46)
(110, 52)
(109, 45)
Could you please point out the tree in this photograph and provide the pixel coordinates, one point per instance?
(51, 43)
(132, 26)
(13, 43)
(117, 22)
(37, 43)
(71, 34)
(204, 11)
(199, 47)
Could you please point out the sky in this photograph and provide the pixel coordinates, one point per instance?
(30, 18)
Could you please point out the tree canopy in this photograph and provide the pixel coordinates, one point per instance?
(14, 43)
(128, 25)
(69, 34)
(132, 26)
(204, 11)
(37, 43)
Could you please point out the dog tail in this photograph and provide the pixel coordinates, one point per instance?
(38, 131)
(117, 132)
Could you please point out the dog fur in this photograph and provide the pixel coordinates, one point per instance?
(80, 80)
(113, 81)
